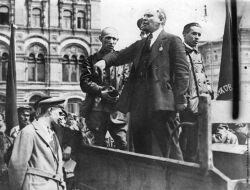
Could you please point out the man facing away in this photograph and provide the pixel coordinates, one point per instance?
(102, 90)
(198, 85)
(156, 85)
(36, 160)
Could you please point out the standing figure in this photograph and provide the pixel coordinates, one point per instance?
(156, 86)
(36, 160)
(5, 143)
(23, 120)
(102, 88)
(198, 85)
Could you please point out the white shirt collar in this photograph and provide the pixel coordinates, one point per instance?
(155, 35)
(189, 47)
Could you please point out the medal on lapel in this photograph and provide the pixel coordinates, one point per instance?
(161, 48)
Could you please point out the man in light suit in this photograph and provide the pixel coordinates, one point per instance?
(36, 160)
(156, 86)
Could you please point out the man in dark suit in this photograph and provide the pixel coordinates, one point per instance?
(156, 86)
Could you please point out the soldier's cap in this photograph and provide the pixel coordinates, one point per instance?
(52, 102)
(36, 104)
(25, 107)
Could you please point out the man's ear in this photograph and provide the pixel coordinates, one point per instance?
(100, 38)
(49, 111)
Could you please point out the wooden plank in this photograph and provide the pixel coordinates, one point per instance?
(229, 148)
(107, 169)
(205, 133)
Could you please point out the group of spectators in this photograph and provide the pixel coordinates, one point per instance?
(71, 132)
(231, 133)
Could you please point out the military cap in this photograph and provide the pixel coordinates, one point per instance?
(36, 104)
(25, 107)
(52, 102)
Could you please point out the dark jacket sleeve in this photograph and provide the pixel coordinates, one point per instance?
(89, 79)
(180, 67)
(122, 57)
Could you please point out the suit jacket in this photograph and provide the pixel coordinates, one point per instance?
(167, 70)
(92, 81)
(34, 164)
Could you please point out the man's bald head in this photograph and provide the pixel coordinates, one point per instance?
(109, 31)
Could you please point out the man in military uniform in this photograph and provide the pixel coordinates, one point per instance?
(102, 90)
(36, 160)
(198, 84)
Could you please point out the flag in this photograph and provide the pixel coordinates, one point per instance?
(225, 85)
(10, 106)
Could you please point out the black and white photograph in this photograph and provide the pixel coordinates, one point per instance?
(124, 94)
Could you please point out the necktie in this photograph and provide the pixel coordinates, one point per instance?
(53, 142)
(147, 43)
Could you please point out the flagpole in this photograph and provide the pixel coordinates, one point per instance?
(10, 104)
(225, 84)
(235, 52)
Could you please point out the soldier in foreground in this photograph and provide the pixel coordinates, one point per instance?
(36, 160)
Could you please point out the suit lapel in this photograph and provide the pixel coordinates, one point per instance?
(137, 59)
(44, 136)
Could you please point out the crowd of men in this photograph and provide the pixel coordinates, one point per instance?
(166, 78)
(153, 84)
(41, 152)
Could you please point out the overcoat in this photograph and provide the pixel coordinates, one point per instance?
(167, 74)
(34, 164)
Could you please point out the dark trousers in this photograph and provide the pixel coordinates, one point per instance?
(144, 123)
(99, 123)
(189, 137)
(161, 124)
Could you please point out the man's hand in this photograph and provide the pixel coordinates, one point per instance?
(107, 97)
(180, 107)
(101, 64)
